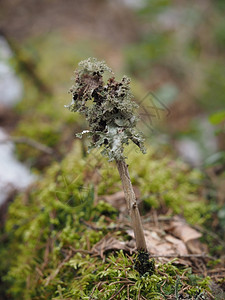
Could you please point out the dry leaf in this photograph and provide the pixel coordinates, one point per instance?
(178, 246)
(183, 231)
(196, 247)
(180, 241)
(118, 201)
(109, 242)
(159, 245)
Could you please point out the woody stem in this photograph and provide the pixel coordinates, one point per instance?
(132, 205)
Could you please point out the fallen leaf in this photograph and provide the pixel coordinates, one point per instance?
(159, 245)
(180, 229)
(196, 247)
(178, 246)
(107, 243)
(118, 201)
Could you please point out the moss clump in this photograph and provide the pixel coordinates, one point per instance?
(48, 245)
(117, 277)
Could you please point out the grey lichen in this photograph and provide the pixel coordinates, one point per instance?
(108, 108)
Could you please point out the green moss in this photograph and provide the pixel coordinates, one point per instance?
(163, 183)
(46, 227)
(117, 274)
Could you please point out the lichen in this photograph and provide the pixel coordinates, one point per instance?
(108, 108)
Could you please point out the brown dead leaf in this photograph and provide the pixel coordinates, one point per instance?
(196, 247)
(163, 241)
(180, 229)
(178, 246)
(118, 201)
(109, 242)
(159, 245)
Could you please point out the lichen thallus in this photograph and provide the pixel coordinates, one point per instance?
(110, 113)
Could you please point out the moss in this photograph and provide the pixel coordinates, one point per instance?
(163, 183)
(45, 226)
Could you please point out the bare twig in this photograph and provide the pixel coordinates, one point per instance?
(55, 273)
(30, 142)
(118, 292)
(212, 297)
(143, 297)
(116, 282)
(109, 228)
(80, 251)
(27, 65)
(128, 292)
(126, 280)
(132, 205)
(184, 256)
(95, 287)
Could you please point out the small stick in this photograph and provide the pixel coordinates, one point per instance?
(184, 256)
(132, 205)
(28, 141)
(117, 293)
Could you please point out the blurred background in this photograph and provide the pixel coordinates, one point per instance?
(172, 50)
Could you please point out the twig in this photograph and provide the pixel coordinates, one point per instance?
(132, 205)
(139, 294)
(121, 281)
(184, 256)
(80, 251)
(93, 227)
(27, 65)
(125, 280)
(30, 142)
(128, 292)
(161, 287)
(110, 126)
(160, 219)
(95, 287)
(55, 273)
(200, 296)
(143, 297)
(117, 293)
(212, 297)
(217, 270)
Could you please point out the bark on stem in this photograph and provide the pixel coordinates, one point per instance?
(132, 205)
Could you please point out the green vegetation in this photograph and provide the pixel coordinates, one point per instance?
(47, 239)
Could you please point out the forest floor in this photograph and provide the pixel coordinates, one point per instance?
(185, 243)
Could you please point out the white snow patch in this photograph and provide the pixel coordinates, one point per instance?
(11, 87)
(13, 174)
